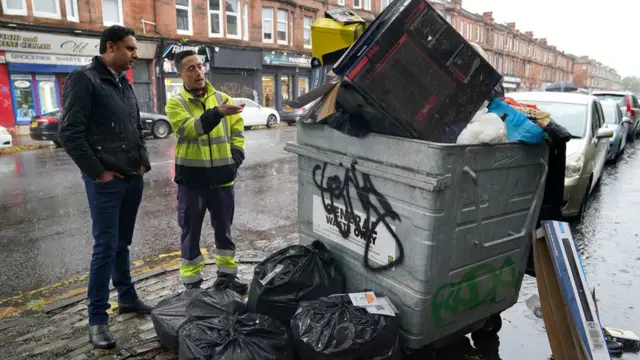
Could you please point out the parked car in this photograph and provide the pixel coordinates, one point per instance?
(45, 126)
(291, 116)
(255, 114)
(617, 122)
(629, 105)
(583, 117)
(5, 138)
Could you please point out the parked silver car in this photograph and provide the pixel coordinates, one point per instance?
(629, 105)
(617, 122)
(583, 117)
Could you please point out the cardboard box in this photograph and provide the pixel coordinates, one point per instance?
(423, 78)
(568, 308)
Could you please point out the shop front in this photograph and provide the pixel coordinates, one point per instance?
(173, 83)
(234, 71)
(511, 83)
(35, 69)
(284, 78)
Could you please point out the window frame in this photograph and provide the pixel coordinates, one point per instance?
(273, 35)
(46, 15)
(306, 28)
(237, 14)
(189, 15)
(245, 21)
(222, 24)
(7, 11)
(367, 5)
(341, 2)
(72, 4)
(359, 4)
(120, 15)
(286, 22)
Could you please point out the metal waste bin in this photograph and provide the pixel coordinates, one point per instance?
(454, 221)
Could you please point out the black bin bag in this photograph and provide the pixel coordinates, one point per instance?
(294, 274)
(334, 329)
(217, 300)
(233, 337)
(173, 313)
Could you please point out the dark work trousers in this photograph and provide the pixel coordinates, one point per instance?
(114, 207)
(192, 207)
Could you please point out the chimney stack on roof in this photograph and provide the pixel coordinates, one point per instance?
(511, 26)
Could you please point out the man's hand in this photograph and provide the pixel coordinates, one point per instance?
(227, 109)
(142, 171)
(108, 176)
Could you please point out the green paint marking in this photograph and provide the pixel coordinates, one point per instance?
(453, 298)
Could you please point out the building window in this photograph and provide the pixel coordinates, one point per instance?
(245, 24)
(478, 33)
(44, 8)
(367, 4)
(215, 18)
(341, 2)
(469, 31)
(183, 16)
(14, 7)
(283, 24)
(307, 32)
(112, 12)
(72, 10)
(357, 4)
(447, 17)
(267, 25)
(233, 14)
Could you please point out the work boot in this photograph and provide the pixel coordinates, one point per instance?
(194, 285)
(100, 337)
(234, 283)
(137, 307)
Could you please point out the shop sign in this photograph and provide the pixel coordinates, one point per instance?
(172, 50)
(511, 79)
(286, 60)
(44, 43)
(26, 58)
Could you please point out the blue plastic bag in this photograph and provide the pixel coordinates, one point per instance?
(519, 127)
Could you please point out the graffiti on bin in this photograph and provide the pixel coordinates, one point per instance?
(347, 221)
(453, 298)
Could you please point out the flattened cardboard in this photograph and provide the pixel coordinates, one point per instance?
(586, 328)
(344, 16)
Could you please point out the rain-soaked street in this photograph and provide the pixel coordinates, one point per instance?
(45, 231)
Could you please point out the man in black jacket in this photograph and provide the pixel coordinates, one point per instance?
(102, 132)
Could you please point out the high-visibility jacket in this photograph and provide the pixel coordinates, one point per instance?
(204, 160)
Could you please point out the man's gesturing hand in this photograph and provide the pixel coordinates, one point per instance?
(228, 109)
(108, 176)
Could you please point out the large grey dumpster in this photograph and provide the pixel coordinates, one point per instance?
(461, 265)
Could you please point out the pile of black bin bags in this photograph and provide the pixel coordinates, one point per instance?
(296, 310)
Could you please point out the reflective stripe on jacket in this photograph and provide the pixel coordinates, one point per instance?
(204, 160)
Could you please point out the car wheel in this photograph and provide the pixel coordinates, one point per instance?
(583, 204)
(160, 129)
(272, 121)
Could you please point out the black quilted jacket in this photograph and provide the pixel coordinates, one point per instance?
(100, 127)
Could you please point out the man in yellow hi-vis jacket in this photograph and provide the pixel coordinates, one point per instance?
(209, 151)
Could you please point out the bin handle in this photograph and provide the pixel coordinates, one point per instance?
(530, 215)
(476, 197)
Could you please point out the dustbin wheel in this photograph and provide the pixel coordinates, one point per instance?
(491, 327)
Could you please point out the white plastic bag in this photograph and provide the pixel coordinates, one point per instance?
(484, 128)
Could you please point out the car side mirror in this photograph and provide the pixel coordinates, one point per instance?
(604, 133)
(626, 121)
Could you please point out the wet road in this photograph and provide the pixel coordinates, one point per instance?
(45, 222)
(44, 231)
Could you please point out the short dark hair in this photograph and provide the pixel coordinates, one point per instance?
(181, 55)
(114, 33)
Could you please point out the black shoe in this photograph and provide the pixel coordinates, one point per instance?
(233, 283)
(614, 347)
(100, 337)
(137, 307)
(195, 285)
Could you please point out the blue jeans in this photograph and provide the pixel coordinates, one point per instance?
(114, 206)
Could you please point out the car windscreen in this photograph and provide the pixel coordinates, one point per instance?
(620, 99)
(572, 117)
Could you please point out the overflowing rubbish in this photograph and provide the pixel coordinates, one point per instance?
(234, 337)
(484, 128)
(333, 328)
(171, 314)
(434, 80)
(519, 127)
(294, 274)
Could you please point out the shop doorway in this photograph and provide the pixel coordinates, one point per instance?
(172, 87)
(269, 91)
(303, 85)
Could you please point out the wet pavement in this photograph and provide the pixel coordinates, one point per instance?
(44, 232)
(45, 222)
